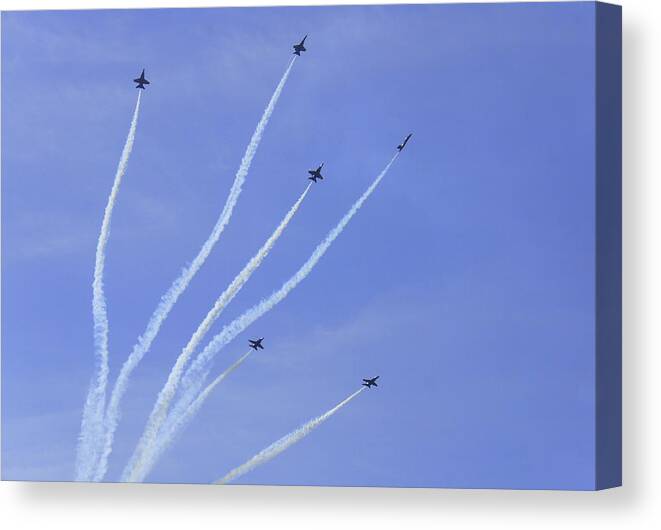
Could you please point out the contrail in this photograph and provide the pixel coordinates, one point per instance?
(197, 372)
(91, 429)
(180, 418)
(169, 299)
(283, 443)
(147, 442)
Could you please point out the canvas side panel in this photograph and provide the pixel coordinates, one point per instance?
(609, 246)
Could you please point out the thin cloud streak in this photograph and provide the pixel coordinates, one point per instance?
(91, 430)
(179, 419)
(284, 443)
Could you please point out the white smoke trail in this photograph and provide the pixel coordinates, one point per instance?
(146, 445)
(197, 372)
(283, 443)
(169, 299)
(91, 429)
(179, 419)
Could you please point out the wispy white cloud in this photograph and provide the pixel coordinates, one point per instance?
(285, 442)
(91, 430)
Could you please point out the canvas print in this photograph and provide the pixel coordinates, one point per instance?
(337, 246)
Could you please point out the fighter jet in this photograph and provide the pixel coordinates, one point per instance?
(256, 344)
(316, 174)
(298, 48)
(401, 146)
(369, 383)
(141, 80)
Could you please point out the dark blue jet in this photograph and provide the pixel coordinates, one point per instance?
(403, 144)
(141, 80)
(316, 174)
(369, 383)
(256, 344)
(298, 48)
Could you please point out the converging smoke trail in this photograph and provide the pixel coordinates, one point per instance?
(179, 419)
(197, 372)
(91, 429)
(147, 442)
(283, 443)
(169, 299)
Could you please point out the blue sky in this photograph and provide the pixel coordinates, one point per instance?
(466, 281)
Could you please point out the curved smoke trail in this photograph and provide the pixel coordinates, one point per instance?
(179, 285)
(197, 372)
(141, 456)
(91, 429)
(178, 421)
(283, 443)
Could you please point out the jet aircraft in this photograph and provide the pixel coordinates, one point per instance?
(403, 144)
(298, 48)
(369, 383)
(141, 80)
(316, 174)
(256, 344)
